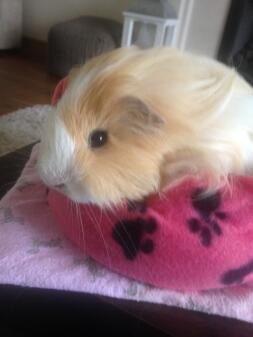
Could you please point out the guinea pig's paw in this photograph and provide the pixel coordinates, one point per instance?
(131, 235)
(207, 224)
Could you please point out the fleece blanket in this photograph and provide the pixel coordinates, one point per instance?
(172, 251)
(34, 252)
(182, 240)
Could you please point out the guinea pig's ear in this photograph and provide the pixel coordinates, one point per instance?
(139, 116)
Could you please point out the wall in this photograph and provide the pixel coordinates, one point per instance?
(40, 15)
(203, 36)
(206, 26)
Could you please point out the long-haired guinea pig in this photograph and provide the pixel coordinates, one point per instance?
(135, 122)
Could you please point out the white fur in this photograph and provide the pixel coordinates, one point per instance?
(240, 123)
(56, 152)
(56, 162)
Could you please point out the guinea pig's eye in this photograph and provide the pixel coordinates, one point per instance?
(97, 138)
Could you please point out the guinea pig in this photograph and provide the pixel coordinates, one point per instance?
(135, 122)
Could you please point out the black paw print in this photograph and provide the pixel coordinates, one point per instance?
(209, 214)
(129, 234)
(236, 276)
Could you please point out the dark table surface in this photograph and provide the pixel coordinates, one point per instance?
(37, 312)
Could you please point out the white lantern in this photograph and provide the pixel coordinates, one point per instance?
(11, 22)
(149, 23)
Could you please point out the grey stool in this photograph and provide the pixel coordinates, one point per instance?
(73, 42)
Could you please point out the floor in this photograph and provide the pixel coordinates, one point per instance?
(24, 80)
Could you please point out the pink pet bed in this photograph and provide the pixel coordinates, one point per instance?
(182, 241)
